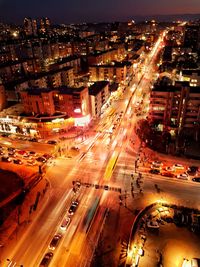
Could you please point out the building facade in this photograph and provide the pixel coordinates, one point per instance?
(175, 107)
(99, 94)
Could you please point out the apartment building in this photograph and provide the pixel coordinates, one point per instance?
(99, 93)
(175, 107)
(102, 57)
(115, 72)
(191, 76)
(74, 102)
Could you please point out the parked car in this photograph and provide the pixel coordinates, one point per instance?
(183, 176)
(11, 149)
(178, 166)
(75, 148)
(33, 139)
(169, 169)
(5, 159)
(46, 259)
(11, 154)
(32, 153)
(65, 223)
(46, 156)
(41, 159)
(155, 171)
(196, 179)
(52, 142)
(156, 167)
(192, 170)
(17, 161)
(55, 241)
(21, 152)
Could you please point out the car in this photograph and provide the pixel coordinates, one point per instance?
(178, 166)
(106, 187)
(52, 142)
(169, 169)
(65, 223)
(1, 152)
(192, 170)
(46, 259)
(4, 135)
(55, 241)
(73, 208)
(33, 139)
(12, 154)
(6, 159)
(196, 179)
(41, 159)
(46, 156)
(21, 152)
(32, 152)
(11, 149)
(183, 176)
(156, 167)
(155, 171)
(74, 148)
(17, 161)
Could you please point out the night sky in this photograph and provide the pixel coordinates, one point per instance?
(91, 10)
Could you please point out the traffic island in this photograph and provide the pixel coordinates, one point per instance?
(164, 235)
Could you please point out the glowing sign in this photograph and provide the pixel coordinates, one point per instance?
(57, 120)
(82, 121)
(77, 110)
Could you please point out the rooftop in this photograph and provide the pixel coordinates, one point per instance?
(97, 87)
(190, 72)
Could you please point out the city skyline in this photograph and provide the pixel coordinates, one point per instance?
(89, 11)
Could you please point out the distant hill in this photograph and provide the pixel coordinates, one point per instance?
(168, 17)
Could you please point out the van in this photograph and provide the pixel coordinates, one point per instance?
(194, 263)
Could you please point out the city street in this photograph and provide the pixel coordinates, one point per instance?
(107, 159)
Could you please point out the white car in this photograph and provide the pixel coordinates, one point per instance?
(156, 165)
(65, 223)
(183, 176)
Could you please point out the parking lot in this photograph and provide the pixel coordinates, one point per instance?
(11, 155)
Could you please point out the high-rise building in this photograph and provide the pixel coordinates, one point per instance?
(30, 26)
(192, 37)
(45, 25)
